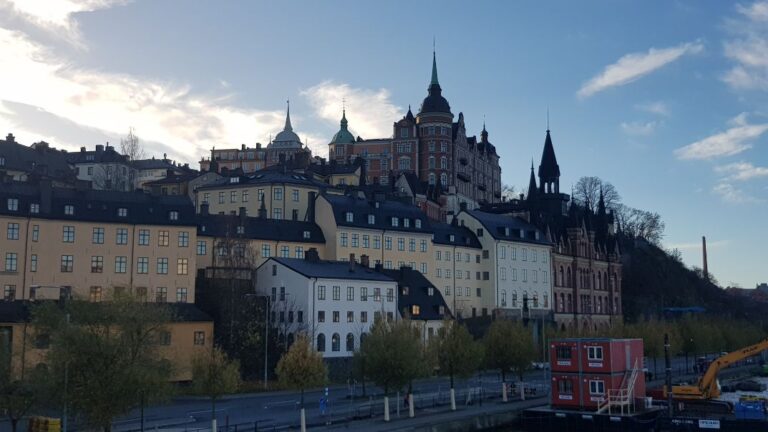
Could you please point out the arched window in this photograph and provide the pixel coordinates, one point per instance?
(350, 342)
(570, 279)
(431, 162)
(570, 303)
(599, 281)
(562, 302)
(335, 342)
(321, 342)
(443, 162)
(599, 305)
(363, 336)
(444, 179)
(432, 179)
(562, 277)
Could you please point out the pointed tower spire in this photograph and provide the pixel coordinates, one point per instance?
(532, 185)
(549, 170)
(434, 69)
(484, 133)
(288, 126)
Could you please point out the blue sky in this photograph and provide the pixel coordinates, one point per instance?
(666, 99)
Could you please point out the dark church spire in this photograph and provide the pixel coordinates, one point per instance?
(549, 170)
(531, 185)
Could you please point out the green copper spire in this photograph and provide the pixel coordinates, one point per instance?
(434, 70)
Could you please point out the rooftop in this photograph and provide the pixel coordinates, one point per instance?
(259, 228)
(503, 227)
(331, 269)
(408, 217)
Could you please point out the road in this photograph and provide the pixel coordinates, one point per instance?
(278, 410)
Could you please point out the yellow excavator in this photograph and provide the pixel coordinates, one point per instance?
(708, 387)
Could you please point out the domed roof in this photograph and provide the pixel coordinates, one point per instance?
(343, 136)
(286, 138)
(435, 102)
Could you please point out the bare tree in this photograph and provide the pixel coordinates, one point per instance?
(114, 177)
(635, 223)
(508, 192)
(587, 191)
(131, 146)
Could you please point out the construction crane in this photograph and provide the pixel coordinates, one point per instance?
(708, 387)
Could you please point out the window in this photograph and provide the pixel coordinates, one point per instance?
(321, 292)
(67, 263)
(443, 162)
(335, 342)
(277, 194)
(363, 317)
(13, 231)
(400, 244)
(202, 247)
(563, 353)
(336, 292)
(350, 293)
(388, 243)
(9, 293)
(412, 245)
(295, 195)
(595, 353)
(143, 237)
(423, 268)
(244, 196)
(163, 238)
(182, 266)
(161, 295)
(321, 342)
(221, 198)
(285, 251)
(68, 210)
(199, 338)
(122, 212)
(299, 252)
(34, 208)
(181, 295)
(184, 239)
(355, 240)
(98, 236)
(377, 294)
(395, 221)
(11, 262)
(597, 387)
(33, 263)
(350, 316)
(525, 254)
(95, 294)
(306, 234)
(162, 266)
(366, 241)
(142, 265)
(266, 250)
(121, 263)
(13, 204)
(336, 316)
(371, 219)
(565, 387)
(68, 234)
(503, 299)
(390, 294)
(122, 236)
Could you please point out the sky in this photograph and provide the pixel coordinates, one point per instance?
(664, 99)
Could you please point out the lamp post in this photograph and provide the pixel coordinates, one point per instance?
(266, 340)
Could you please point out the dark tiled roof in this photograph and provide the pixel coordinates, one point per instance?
(462, 236)
(144, 164)
(105, 155)
(496, 225)
(187, 312)
(14, 311)
(330, 269)
(333, 168)
(267, 176)
(383, 211)
(96, 205)
(418, 294)
(41, 159)
(258, 228)
(176, 178)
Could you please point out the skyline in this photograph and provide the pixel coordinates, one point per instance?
(680, 108)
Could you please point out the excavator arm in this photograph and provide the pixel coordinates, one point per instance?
(707, 387)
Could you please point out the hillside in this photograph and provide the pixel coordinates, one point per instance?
(654, 280)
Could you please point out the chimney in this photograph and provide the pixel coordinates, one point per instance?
(351, 262)
(82, 149)
(243, 147)
(312, 255)
(364, 261)
(204, 209)
(704, 256)
(99, 148)
(10, 138)
(311, 206)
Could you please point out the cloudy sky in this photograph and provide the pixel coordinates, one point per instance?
(665, 99)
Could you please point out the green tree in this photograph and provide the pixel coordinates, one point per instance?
(522, 348)
(300, 368)
(458, 355)
(109, 351)
(394, 356)
(499, 351)
(215, 375)
(20, 395)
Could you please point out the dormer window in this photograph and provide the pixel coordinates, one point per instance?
(240, 229)
(430, 291)
(371, 219)
(405, 290)
(174, 215)
(13, 204)
(418, 223)
(350, 217)
(441, 309)
(395, 221)
(69, 210)
(406, 223)
(122, 212)
(306, 234)
(89, 157)
(415, 310)
(234, 179)
(451, 238)
(34, 208)
(522, 233)
(506, 231)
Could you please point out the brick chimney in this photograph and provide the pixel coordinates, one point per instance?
(311, 255)
(351, 262)
(364, 260)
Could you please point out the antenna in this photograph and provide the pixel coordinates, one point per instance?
(547, 118)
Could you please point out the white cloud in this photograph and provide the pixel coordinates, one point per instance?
(748, 49)
(369, 112)
(733, 195)
(658, 108)
(639, 128)
(166, 113)
(733, 141)
(636, 65)
(742, 171)
(55, 16)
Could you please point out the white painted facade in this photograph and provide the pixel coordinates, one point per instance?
(335, 312)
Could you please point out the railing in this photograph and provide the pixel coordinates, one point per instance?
(622, 396)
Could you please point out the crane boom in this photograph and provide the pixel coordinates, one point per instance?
(708, 387)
